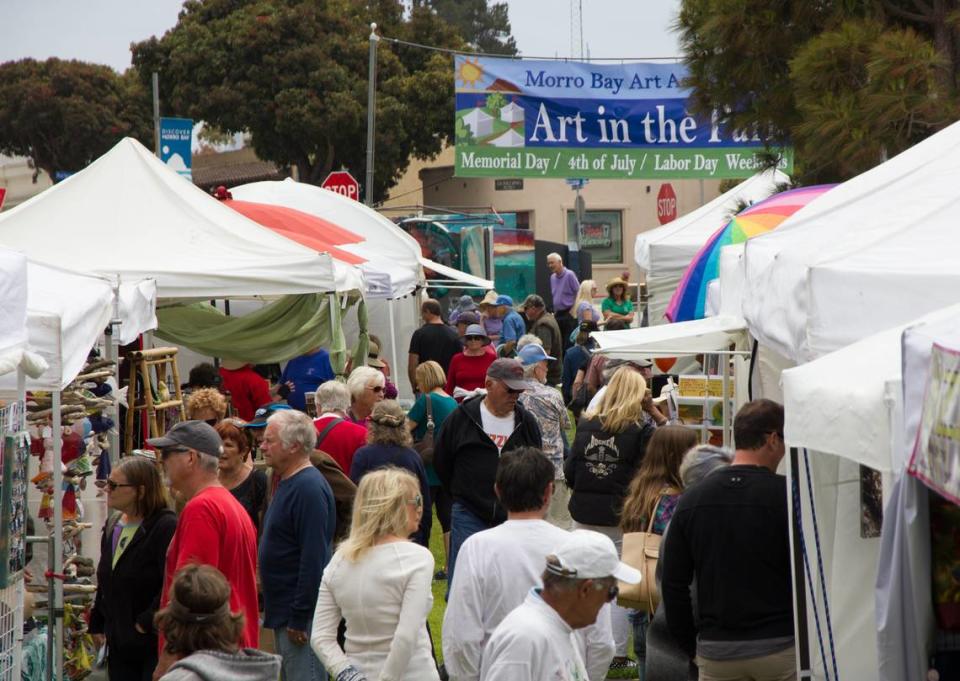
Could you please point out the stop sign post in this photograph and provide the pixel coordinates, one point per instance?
(666, 203)
(342, 182)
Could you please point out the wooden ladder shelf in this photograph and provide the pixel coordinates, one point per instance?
(163, 361)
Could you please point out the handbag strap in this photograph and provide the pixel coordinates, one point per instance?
(327, 428)
(430, 424)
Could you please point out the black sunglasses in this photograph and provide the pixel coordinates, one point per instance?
(479, 338)
(612, 593)
(112, 486)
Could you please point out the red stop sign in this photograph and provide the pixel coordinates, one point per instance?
(342, 182)
(666, 204)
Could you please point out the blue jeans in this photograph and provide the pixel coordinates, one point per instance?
(299, 661)
(640, 622)
(463, 524)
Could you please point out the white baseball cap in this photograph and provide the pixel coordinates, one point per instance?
(590, 555)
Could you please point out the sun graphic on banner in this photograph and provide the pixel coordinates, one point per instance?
(470, 72)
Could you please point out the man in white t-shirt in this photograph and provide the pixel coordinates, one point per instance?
(467, 451)
(496, 569)
(536, 641)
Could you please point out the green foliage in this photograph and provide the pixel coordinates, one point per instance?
(294, 74)
(64, 114)
(485, 27)
(495, 102)
(850, 83)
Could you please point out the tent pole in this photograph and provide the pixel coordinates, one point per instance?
(724, 390)
(393, 338)
(112, 350)
(56, 561)
(796, 558)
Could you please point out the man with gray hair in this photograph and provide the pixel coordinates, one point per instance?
(546, 404)
(536, 641)
(336, 435)
(296, 545)
(213, 528)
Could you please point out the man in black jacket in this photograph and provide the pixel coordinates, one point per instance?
(730, 533)
(467, 451)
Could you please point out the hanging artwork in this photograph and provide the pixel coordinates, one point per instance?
(13, 508)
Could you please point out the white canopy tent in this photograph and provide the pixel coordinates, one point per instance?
(129, 217)
(861, 405)
(879, 249)
(663, 253)
(388, 248)
(13, 310)
(713, 334)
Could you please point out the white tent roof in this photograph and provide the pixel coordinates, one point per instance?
(877, 250)
(664, 252)
(388, 248)
(456, 275)
(128, 215)
(840, 403)
(670, 340)
(13, 309)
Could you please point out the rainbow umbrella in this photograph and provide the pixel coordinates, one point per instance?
(690, 298)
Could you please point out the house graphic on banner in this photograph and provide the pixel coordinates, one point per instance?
(479, 122)
(511, 138)
(512, 113)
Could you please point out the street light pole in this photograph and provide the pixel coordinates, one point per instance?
(371, 112)
(156, 113)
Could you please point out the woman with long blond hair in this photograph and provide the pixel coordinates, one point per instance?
(607, 451)
(380, 583)
(583, 307)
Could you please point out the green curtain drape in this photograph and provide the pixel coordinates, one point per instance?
(285, 328)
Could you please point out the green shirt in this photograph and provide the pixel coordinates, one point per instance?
(624, 308)
(126, 536)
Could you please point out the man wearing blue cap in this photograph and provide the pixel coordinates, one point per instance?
(513, 326)
(546, 404)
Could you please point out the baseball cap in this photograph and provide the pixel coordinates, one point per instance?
(510, 371)
(531, 354)
(263, 413)
(197, 435)
(586, 554)
(504, 300)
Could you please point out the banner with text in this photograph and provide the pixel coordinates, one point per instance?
(520, 118)
(176, 136)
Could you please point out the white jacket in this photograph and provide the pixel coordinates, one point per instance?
(533, 643)
(495, 571)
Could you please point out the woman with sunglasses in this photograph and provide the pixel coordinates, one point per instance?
(388, 444)
(377, 564)
(366, 386)
(130, 574)
(468, 369)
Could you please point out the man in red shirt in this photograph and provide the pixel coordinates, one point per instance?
(335, 435)
(248, 389)
(213, 529)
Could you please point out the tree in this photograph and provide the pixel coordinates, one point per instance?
(294, 74)
(849, 83)
(485, 27)
(64, 114)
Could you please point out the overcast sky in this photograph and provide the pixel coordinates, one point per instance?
(101, 30)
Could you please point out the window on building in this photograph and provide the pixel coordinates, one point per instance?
(523, 219)
(600, 233)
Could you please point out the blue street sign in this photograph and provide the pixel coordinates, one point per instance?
(176, 135)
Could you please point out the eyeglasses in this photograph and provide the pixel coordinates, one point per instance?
(112, 486)
(612, 593)
(474, 338)
(167, 451)
(376, 388)
(416, 501)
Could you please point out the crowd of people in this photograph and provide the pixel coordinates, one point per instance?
(323, 556)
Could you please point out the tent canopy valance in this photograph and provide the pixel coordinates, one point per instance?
(710, 335)
(128, 216)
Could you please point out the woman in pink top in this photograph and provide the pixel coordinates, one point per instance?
(468, 369)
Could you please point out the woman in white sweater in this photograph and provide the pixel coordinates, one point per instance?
(379, 582)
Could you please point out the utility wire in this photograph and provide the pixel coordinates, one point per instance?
(518, 57)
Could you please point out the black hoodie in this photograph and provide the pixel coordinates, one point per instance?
(466, 459)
